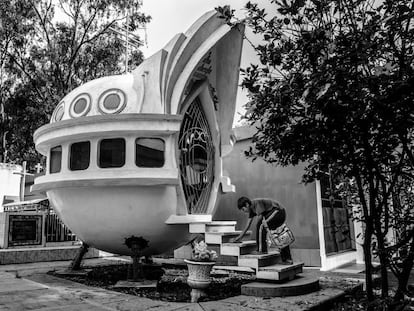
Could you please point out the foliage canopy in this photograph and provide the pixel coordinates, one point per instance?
(49, 48)
(334, 88)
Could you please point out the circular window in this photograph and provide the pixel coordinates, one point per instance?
(112, 101)
(80, 106)
(58, 113)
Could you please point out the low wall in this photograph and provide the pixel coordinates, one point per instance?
(9, 181)
(42, 254)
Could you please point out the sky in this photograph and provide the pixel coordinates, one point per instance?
(170, 17)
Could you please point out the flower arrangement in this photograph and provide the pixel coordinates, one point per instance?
(201, 253)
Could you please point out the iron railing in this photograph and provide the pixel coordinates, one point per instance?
(56, 230)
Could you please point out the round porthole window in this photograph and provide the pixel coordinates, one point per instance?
(80, 106)
(112, 101)
(58, 113)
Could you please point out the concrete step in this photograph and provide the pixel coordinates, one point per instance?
(214, 226)
(187, 219)
(223, 259)
(224, 237)
(257, 261)
(279, 272)
(237, 249)
(298, 286)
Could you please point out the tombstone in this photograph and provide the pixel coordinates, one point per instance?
(25, 230)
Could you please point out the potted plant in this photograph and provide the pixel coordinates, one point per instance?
(199, 268)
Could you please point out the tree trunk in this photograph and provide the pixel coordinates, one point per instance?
(368, 258)
(382, 254)
(384, 274)
(405, 274)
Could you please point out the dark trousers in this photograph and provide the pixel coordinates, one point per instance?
(274, 220)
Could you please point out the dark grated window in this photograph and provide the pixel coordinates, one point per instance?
(55, 159)
(80, 155)
(149, 152)
(112, 153)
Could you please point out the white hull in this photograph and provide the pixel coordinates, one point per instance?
(104, 217)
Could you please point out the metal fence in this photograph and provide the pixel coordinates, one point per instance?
(56, 230)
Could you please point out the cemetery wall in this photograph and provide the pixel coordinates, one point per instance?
(9, 182)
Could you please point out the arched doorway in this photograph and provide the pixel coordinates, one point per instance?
(196, 158)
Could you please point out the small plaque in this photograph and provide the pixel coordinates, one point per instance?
(25, 230)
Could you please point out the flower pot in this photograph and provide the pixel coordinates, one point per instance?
(198, 277)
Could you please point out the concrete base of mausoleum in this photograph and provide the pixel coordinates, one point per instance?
(41, 254)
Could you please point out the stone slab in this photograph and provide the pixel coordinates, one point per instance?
(312, 301)
(220, 305)
(214, 226)
(279, 272)
(222, 223)
(11, 282)
(136, 284)
(46, 266)
(69, 272)
(237, 269)
(191, 307)
(299, 286)
(64, 294)
(228, 228)
(274, 276)
(139, 304)
(256, 261)
(237, 249)
(223, 237)
(262, 256)
(281, 267)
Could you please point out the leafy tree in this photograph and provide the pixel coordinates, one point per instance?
(335, 89)
(11, 28)
(401, 253)
(55, 46)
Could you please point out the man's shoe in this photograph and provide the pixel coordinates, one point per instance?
(257, 253)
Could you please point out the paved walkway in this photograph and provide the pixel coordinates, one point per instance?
(28, 287)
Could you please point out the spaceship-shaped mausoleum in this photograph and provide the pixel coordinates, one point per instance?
(141, 153)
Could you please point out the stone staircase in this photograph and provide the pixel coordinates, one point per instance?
(273, 278)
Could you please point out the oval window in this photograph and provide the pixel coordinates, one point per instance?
(80, 106)
(112, 101)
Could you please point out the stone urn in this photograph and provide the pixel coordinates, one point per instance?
(199, 277)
